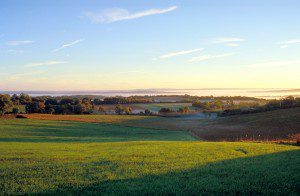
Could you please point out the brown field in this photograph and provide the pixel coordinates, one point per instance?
(274, 125)
(7, 116)
(87, 118)
(267, 126)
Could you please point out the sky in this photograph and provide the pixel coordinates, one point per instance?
(141, 44)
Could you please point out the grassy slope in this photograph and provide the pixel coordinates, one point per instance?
(273, 125)
(49, 157)
(148, 167)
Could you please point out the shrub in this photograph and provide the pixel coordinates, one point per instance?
(184, 110)
(119, 109)
(128, 110)
(165, 110)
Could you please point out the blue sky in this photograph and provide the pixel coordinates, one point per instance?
(101, 45)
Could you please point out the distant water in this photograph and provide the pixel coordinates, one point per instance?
(259, 93)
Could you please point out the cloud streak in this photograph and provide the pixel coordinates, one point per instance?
(67, 45)
(275, 63)
(220, 40)
(208, 57)
(21, 75)
(15, 51)
(232, 45)
(172, 54)
(119, 14)
(19, 42)
(45, 63)
(287, 43)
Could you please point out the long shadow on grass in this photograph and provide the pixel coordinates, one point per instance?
(277, 173)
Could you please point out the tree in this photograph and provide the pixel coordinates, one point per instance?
(217, 104)
(87, 104)
(66, 101)
(79, 108)
(184, 110)
(197, 103)
(15, 99)
(128, 110)
(5, 103)
(297, 102)
(49, 109)
(101, 110)
(15, 111)
(230, 104)
(288, 102)
(35, 107)
(67, 109)
(165, 110)
(24, 99)
(206, 105)
(119, 109)
(97, 101)
(51, 101)
(147, 112)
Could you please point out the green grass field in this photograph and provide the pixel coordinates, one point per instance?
(65, 157)
(28, 130)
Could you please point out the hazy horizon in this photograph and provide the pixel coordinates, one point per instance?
(267, 93)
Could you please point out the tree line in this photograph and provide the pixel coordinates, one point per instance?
(183, 110)
(285, 103)
(64, 104)
(74, 104)
(86, 104)
(44, 104)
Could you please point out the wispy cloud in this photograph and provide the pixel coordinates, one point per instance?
(19, 42)
(284, 46)
(275, 63)
(38, 80)
(232, 45)
(15, 51)
(129, 72)
(45, 63)
(68, 45)
(208, 56)
(172, 54)
(227, 40)
(22, 75)
(287, 43)
(118, 14)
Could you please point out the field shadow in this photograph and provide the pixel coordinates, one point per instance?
(269, 174)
